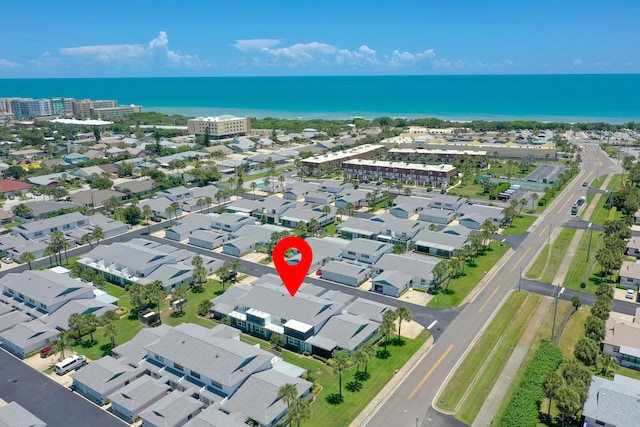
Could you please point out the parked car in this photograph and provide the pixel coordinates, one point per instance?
(379, 183)
(443, 191)
(11, 197)
(7, 260)
(429, 189)
(631, 294)
(318, 272)
(45, 351)
(584, 184)
(36, 193)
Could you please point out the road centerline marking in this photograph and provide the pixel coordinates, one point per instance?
(433, 368)
(495, 291)
(521, 258)
(544, 230)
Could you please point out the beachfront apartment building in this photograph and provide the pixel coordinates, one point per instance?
(325, 163)
(410, 173)
(220, 127)
(28, 108)
(106, 113)
(415, 155)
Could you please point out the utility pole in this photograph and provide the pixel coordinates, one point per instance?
(520, 280)
(555, 313)
(590, 236)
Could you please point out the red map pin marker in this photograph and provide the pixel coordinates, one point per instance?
(292, 275)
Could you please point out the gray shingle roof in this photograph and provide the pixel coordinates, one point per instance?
(367, 309)
(213, 417)
(440, 240)
(57, 221)
(347, 331)
(227, 362)
(344, 268)
(45, 286)
(139, 394)
(614, 402)
(171, 409)
(106, 374)
(394, 278)
(14, 415)
(133, 351)
(366, 246)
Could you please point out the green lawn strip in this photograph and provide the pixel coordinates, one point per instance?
(538, 265)
(598, 181)
(600, 212)
(382, 370)
(259, 175)
(460, 287)
(628, 372)
(11, 224)
(574, 330)
(469, 190)
(331, 229)
(558, 251)
(476, 398)
(615, 182)
(520, 225)
(579, 265)
(468, 369)
(190, 311)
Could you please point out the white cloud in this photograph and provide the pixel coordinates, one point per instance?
(577, 61)
(5, 63)
(364, 55)
(255, 44)
(300, 52)
(157, 49)
(400, 59)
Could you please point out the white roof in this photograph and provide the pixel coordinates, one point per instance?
(82, 122)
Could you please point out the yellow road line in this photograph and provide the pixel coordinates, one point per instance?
(433, 368)
(544, 230)
(565, 205)
(489, 299)
(521, 258)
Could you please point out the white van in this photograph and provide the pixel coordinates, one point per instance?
(70, 363)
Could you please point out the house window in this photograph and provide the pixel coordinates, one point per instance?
(178, 367)
(600, 423)
(351, 253)
(616, 349)
(365, 256)
(195, 375)
(160, 358)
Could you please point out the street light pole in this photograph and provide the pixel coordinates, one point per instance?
(590, 236)
(555, 313)
(520, 280)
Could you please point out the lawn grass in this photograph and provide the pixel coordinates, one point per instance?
(544, 333)
(577, 272)
(520, 225)
(598, 181)
(469, 190)
(331, 229)
(460, 287)
(382, 370)
(190, 311)
(538, 265)
(468, 369)
(574, 330)
(476, 397)
(558, 251)
(11, 224)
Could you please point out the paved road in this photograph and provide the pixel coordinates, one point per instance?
(46, 399)
(413, 398)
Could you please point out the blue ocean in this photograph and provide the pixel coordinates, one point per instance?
(569, 98)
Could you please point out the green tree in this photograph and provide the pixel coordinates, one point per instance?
(76, 323)
(404, 314)
(91, 323)
(568, 402)
(575, 301)
(97, 234)
(601, 308)
(300, 411)
(551, 383)
(288, 393)
(62, 344)
(96, 133)
(223, 274)
(111, 204)
(358, 358)
(132, 215)
(110, 330)
(27, 258)
(604, 291)
(399, 248)
(199, 272)
(137, 295)
(595, 328)
(155, 293)
(608, 363)
(276, 342)
(586, 350)
(180, 293)
(439, 271)
(204, 308)
(22, 210)
(147, 214)
(368, 350)
(534, 199)
(340, 365)
(387, 326)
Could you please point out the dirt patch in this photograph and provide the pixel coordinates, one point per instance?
(366, 285)
(410, 329)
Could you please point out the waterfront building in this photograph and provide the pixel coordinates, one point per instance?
(220, 127)
(325, 163)
(436, 175)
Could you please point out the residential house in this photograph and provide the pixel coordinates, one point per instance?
(418, 267)
(136, 187)
(342, 332)
(391, 283)
(258, 398)
(240, 246)
(230, 222)
(101, 377)
(324, 250)
(612, 403)
(208, 239)
(407, 206)
(129, 401)
(46, 208)
(177, 194)
(173, 410)
(356, 197)
(438, 244)
(75, 158)
(320, 198)
(629, 275)
(397, 231)
(335, 187)
(367, 309)
(298, 190)
(14, 415)
(354, 228)
(28, 337)
(184, 227)
(633, 247)
(5, 217)
(160, 208)
(95, 199)
(444, 201)
(483, 213)
(292, 216)
(9, 186)
(622, 341)
(35, 229)
(345, 273)
(437, 216)
(366, 251)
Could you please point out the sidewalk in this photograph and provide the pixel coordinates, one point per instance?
(496, 396)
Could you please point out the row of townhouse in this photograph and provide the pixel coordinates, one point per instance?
(192, 376)
(144, 261)
(35, 306)
(315, 321)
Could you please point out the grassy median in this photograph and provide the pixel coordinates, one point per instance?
(475, 358)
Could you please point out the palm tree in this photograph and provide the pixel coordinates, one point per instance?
(404, 314)
(91, 322)
(487, 228)
(147, 214)
(350, 209)
(300, 411)
(253, 186)
(208, 200)
(62, 344)
(97, 234)
(288, 393)
(453, 267)
(27, 258)
(358, 358)
(326, 209)
(387, 326)
(76, 323)
(439, 270)
(155, 293)
(281, 179)
(234, 266)
(201, 203)
(110, 330)
(534, 198)
(339, 213)
(368, 351)
(340, 365)
(551, 383)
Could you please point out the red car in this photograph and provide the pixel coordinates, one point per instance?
(45, 351)
(318, 272)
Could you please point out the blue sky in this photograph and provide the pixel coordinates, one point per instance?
(264, 38)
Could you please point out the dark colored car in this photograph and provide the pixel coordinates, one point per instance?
(584, 184)
(429, 189)
(443, 191)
